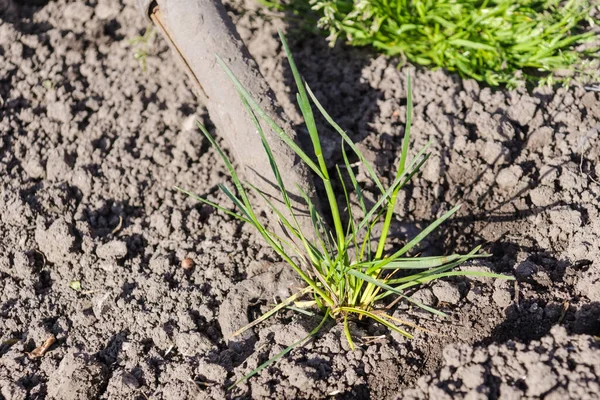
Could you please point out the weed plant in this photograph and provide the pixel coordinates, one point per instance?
(141, 46)
(346, 268)
(496, 41)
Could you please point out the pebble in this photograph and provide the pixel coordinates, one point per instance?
(187, 263)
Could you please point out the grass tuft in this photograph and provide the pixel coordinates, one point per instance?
(496, 41)
(345, 273)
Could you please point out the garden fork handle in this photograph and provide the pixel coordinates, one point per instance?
(197, 30)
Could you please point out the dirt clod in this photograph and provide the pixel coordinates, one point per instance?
(541, 369)
(55, 242)
(446, 292)
(78, 377)
(112, 250)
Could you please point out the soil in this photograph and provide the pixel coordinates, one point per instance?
(91, 144)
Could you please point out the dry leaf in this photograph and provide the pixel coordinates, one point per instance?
(41, 350)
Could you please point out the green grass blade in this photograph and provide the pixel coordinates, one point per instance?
(281, 354)
(430, 278)
(398, 182)
(318, 226)
(315, 255)
(407, 127)
(347, 333)
(268, 151)
(280, 132)
(347, 139)
(311, 125)
(236, 201)
(214, 205)
(472, 45)
(272, 311)
(311, 249)
(234, 176)
(416, 262)
(301, 311)
(389, 288)
(417, 239)
(401, 165)
(424, 277)
(355, 185)
(351, 231)
(436, 270)
(377, 318)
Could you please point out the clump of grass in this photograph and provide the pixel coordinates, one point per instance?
(345, 273)
(496, 41)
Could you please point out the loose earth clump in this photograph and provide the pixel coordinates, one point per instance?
(105, 141)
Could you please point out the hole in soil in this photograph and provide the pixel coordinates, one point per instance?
(127, 290)
(254, 308)
(171, 280)
(111, 29)
(110, 353)
(211, 329)
(321, 366)
(44, 282)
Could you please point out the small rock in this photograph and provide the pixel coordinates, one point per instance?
(33, 167)
(548, 174)
(106, 9)
(290, 333)
(187, 264)
(130, 381)
(161, 224)
(190, 124)
(541, 196)
(115, 249)
(522, 112)
(161, 339)
(510, 392)
(107, 266)
(122, 385)
(588, 284)
(542, 278)
(78, 12)
(432, 170)
(424, 296)
(446, 292)
(212, 372)
(189, 141)
(83, 181)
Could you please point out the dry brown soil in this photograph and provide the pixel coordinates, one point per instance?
(90, 146)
